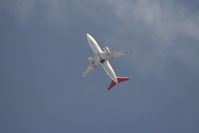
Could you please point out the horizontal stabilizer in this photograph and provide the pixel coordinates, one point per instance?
(119, 79)
(111, 85)
(122, 79)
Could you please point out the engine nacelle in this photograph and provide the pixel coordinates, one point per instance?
(106, 49)
(90, 59)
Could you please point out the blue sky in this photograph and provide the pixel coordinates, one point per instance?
(44, 50)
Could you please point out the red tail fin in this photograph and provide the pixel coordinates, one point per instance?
(122, 79)
(119, 79)
(111, 85)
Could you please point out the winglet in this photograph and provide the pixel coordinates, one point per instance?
(119, 79)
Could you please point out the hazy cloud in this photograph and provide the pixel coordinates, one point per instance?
(43, 54)
(161, 29)
(24, 10)
(167, 24)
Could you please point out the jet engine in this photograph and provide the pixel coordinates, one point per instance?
(90, 59)
(106, 49)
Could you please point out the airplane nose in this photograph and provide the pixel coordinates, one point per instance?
(88, 36)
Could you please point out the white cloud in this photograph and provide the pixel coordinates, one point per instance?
(55, 10)
(162, 17)
(24, 10)
(166, 24)
(159, 27)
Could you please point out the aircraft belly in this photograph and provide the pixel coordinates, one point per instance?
(94, 46)
(102, 58)
(109, 70)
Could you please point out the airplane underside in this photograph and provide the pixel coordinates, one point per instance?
(103, 57)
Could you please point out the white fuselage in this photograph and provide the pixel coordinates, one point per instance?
(106, 65)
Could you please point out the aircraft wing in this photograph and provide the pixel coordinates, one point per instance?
(91, 66)
(89, 69)
(115, 54)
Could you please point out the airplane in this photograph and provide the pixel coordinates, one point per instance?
(102, 56)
